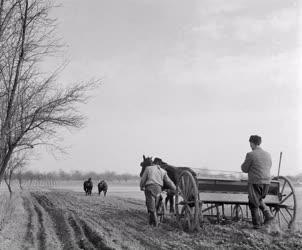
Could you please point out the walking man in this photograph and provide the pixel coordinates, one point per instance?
(152, 181)
(258, 164)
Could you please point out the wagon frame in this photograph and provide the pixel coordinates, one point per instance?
(197, 198)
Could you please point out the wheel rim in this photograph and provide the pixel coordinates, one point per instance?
(286, 209)
(187, 202)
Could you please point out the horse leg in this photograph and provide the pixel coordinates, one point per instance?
(166, 201)
(171, 201)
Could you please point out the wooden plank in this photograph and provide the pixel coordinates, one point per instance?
(232, 198)
(231, 186)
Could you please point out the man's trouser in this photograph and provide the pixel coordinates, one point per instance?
(257, 193)
(152, 191)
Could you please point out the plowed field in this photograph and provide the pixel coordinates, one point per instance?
(71, 220)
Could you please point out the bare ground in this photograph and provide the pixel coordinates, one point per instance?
(70, 220)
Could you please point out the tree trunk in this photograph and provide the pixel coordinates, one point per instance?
(4, 163)
(6, 143)
(8, 187)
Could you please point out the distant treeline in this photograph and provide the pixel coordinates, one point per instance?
(109, 176)
(296, 179)
(74, 175)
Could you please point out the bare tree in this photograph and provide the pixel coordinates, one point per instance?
(33, 105)
(16, 162)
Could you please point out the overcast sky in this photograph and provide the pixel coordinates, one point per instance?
(187, 81)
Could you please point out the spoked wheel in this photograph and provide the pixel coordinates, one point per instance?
(237, 212)
(187, 202)
(286, 210)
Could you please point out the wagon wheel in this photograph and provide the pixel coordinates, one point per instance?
(237, 213)
(285, 211)
(187, 201)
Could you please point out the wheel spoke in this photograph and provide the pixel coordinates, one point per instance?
(284, 216)
(290, 208)
(190, 188)
(187, 187)
(188, 215)
(291, 193)
(283, 187)
(291, 216)
(182, 186)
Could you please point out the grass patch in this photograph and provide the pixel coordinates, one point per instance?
(7, 208)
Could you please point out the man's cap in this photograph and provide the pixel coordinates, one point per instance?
(157, 160)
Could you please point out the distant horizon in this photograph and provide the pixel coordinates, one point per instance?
(86, 172)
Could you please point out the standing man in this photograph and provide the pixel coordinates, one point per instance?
(152, 181)
(258, 164)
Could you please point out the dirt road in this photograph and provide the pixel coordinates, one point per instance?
(70, 220)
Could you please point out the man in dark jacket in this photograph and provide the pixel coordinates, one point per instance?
(258, 164)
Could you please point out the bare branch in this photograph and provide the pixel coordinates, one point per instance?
(34, 106)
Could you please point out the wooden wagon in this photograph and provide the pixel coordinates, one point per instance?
(223, 199)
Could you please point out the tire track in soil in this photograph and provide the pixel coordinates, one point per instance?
(94, 238)
(29, 237)
(41, 235)
(113, 220)
(59, 221)
(67, 224)
(81, 241)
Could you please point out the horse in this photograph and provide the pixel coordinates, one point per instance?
(173, 173)
(88, 185)
(102, 187)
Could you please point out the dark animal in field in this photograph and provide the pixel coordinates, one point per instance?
(173, 173)
(102, 187)
(88, 185)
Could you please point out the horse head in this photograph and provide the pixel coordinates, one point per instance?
(147, 161)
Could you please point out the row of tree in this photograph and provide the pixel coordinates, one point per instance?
(30, 178)
(34, 106)
(74, 176)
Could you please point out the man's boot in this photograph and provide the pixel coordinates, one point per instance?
(255, 218)
(268, 217)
